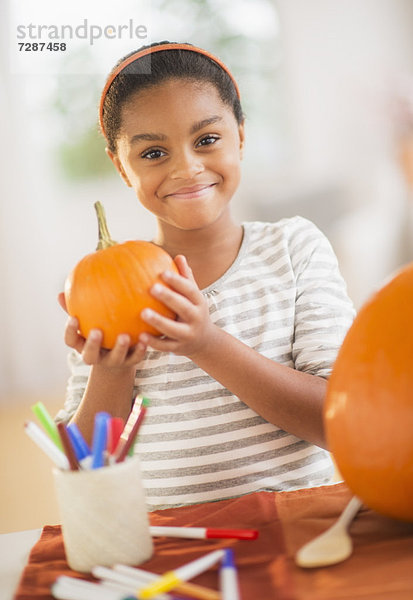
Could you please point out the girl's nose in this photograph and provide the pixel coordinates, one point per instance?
(186, 165)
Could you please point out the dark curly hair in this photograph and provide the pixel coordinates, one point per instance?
(155, 68)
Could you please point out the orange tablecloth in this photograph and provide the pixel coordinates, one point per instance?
(380, 568)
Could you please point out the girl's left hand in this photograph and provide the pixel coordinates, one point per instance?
(192, 329)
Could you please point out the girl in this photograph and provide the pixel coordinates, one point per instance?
(237, 381)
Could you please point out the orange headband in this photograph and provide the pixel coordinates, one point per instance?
(151, 50)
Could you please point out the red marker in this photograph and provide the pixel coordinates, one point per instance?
(131, 429)
(205, 533)
(116, 425)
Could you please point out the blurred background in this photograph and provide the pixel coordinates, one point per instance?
(327, 88)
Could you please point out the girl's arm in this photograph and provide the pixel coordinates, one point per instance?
(290, 399)
(112, 374)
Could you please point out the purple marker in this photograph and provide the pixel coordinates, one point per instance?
(228, 577)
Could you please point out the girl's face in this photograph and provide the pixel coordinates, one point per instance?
(180, 149)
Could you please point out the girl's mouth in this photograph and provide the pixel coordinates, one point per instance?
(196, 191)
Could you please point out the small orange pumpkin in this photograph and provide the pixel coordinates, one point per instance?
(369, 406)
(109, 288)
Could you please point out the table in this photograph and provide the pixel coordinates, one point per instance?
(381, 567)
(14, 553)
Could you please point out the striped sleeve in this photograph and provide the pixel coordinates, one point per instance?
(323, 310)
(75, 388)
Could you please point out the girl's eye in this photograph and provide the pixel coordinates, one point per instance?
(153, 154)
(208, 140)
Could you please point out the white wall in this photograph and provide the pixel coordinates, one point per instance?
(344, 63)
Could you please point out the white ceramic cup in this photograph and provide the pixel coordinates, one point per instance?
(104, 515)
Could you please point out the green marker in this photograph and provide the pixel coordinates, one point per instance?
(49, 425)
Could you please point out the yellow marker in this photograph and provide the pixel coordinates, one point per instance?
(172, 579)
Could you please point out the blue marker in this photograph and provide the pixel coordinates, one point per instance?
(228, 577)
(80, 446)
(100, 436)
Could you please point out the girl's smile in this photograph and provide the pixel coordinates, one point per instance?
(192, 192)
(180, 149)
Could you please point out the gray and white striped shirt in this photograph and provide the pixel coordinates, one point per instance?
(284, 297)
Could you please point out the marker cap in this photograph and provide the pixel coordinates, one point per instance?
(228, 558)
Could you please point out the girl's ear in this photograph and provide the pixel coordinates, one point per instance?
(241, 131)
(118, 165)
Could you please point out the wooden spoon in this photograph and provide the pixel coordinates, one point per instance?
(332, 546)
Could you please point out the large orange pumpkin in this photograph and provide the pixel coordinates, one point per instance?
(369, 407)
(109, 288)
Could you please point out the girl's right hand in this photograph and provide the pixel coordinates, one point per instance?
(121, 356)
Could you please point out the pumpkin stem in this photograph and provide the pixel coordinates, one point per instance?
(105, 241)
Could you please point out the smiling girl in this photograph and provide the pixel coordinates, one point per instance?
(237, 382)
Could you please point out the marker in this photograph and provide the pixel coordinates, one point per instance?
(126, 589)
(71, 588)
(116, 425)
(125, 581)
(100, 436)
(81, 448)
(45, 443)
(192, 590)
(171, 579)
(67, 447)
(228, 577)
(49, 425)
(131, 429)
(204, 533)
